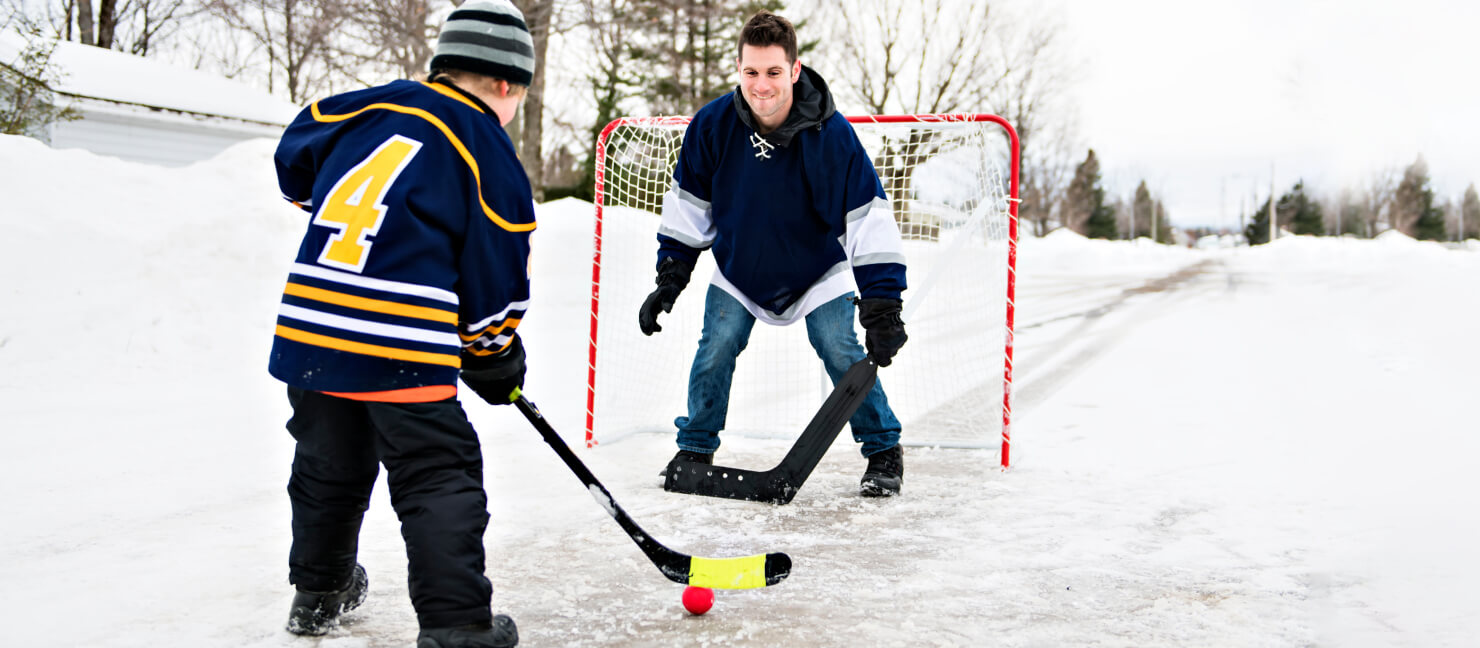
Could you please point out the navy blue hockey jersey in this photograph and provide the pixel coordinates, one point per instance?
(418, 248)
(782, 220)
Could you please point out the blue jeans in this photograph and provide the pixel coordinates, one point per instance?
(727, 327)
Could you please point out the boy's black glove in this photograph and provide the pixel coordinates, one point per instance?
(673, 275)
(495, 377)
(884, 329)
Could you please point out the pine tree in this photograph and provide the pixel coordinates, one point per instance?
(1470, 213)
(1294, 211)
(1302, 214)
(1085, 210)
(1257, 231)
(1413, 209)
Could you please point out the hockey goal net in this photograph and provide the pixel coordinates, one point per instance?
(953, 183)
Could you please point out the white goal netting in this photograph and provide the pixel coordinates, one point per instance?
(948, 178)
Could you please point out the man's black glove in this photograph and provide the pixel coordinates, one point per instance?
(885, 330)
(495, 377)
(673, 275)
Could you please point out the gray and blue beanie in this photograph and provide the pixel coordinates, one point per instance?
(488, 37)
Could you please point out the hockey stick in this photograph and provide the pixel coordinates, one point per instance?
(778, 485)
(748, 572)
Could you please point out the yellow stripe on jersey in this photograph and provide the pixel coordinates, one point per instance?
(456, 143)
(361, 348)
(372, 305)
(728, 573)
(491, 330)
(452, 94)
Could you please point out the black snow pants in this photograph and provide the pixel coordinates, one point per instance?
(434, 468)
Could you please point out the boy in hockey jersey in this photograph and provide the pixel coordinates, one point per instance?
(775, 182)
(411, 273)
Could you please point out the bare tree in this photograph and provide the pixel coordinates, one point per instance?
(147, 22)
(940, 56)
(28, 105)
(85, 31)
(539, 15)
(293, 35)
(1034, 78)
(1045, 174)
(609, 25)
(384, 39)
(913, 56)
(134, 26)
(1377, 196)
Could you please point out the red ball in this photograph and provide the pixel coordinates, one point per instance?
(697, 600)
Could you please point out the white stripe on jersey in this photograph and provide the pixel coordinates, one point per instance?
(520, 306)
(373, 328)
(872, 236)
(687, 219)
(385, 285)
(497, 342)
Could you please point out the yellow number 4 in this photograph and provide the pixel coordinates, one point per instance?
(355, 207)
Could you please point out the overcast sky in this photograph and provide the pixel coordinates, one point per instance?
(1193, 95)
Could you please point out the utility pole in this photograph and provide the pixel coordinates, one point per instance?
(1459, 208)
(1339, 205)
(1155, 233)
(1242, 233)
(1273, 229)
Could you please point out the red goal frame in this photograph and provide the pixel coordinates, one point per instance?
(1012, 210)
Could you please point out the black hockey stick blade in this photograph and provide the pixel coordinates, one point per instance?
(780, 484)
(746, 572)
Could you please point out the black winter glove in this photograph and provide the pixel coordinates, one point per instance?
(495, 377)
(884, 329)
(673, 275)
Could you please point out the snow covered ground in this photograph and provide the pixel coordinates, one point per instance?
(1248, 447)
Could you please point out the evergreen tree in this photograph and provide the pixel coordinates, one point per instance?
(1470, 214)
(1413, 209)
(1257, 231)
(1085, 210)
(1295, 211)
(1300, 213)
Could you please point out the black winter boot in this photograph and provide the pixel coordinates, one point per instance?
(499, 634)
(885, 474)
(685, 455)
(314, 613)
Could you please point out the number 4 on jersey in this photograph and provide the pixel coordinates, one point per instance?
(355, 207)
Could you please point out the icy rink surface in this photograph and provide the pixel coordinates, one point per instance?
(1248, 447)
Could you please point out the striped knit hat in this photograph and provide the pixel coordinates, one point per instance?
(488, 37)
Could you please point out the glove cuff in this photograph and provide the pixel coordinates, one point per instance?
(503, 364)
(878, 310)
(672, 272)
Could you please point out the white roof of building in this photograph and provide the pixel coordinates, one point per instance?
(115, 76)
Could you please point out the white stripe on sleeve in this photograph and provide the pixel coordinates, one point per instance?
(687, 219)
(872, 236)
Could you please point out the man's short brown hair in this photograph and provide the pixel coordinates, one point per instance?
(766, 29)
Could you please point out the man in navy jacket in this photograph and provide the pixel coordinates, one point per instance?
(775, 183)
